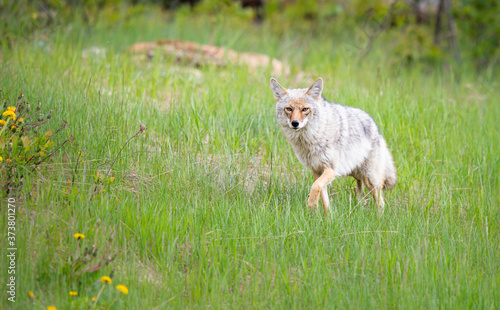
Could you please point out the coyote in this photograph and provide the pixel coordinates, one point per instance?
(334, 140)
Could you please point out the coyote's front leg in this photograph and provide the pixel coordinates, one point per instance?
(318, 186)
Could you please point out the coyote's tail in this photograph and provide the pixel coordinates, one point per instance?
(390, 175)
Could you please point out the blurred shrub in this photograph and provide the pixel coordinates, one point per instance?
(21, 18)
(414, 44)
(410, 28)
(480, 30)
(228, 8)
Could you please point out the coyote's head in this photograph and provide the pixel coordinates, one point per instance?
(296, 107)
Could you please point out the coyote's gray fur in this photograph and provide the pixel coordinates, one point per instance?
(333, 140)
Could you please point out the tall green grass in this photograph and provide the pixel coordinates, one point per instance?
(208, 209)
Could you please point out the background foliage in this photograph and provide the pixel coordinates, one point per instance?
(410, 25)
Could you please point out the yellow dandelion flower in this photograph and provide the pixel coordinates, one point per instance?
(20, 120)
(73, 293)
(79, 236)
(1, 159)
(106, 280)
(122, 288)
(13, 109)
(9, 114)
(31, 295)
(2, 122)
(51, 308)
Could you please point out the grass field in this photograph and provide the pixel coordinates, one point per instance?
(208, 207)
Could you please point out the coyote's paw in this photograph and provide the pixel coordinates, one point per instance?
(312, 203)
(380, 206)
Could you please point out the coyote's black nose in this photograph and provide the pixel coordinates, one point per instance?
(295, 124)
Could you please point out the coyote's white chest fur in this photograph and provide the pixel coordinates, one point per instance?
(333, 140)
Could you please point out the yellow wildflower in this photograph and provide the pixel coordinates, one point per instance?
(2, 122)
(73, 293)
(1, 159)
(51, 308)
(106, 280)
(13, 109)
(8, 161)
(20, 120)
(122, 288)
(79, 236)
(13, 127)
(9, 114)
(94, 298)
(31, 295)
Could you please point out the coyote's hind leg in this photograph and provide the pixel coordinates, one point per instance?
(359, 190)
(376, 192)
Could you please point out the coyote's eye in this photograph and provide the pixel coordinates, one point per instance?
(288, 109)
(305, 109)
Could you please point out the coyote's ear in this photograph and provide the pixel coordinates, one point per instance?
(278, 90)
(315, 89)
